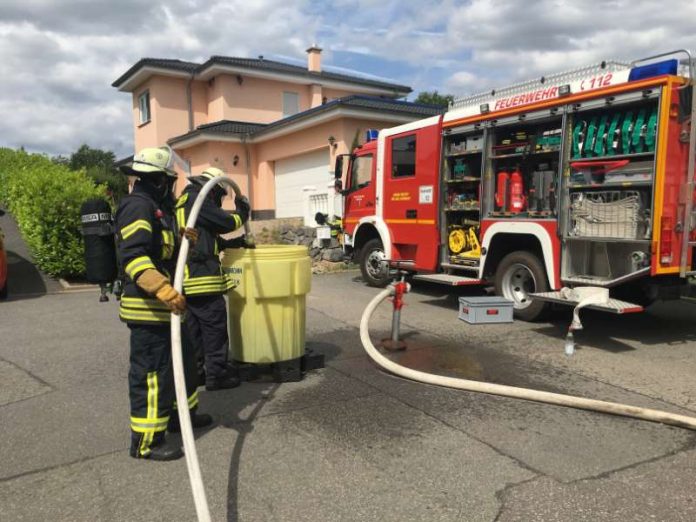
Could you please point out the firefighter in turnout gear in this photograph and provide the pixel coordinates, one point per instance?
(204, 282)
(147, 246)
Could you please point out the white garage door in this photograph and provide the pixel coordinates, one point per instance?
(294, 175)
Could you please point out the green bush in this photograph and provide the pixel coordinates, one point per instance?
(45, 199)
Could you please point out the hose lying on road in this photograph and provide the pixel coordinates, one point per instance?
(510, 391)
(194, 470)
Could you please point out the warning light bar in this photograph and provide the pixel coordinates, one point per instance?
(653, 69)
(371, 135)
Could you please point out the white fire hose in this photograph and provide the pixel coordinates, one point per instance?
(194, 470)
(558, 399)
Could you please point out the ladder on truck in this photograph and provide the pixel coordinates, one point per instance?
(687, 192)
(550, 80)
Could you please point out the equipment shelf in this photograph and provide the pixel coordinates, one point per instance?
(622, 184)
(467, 179)
(615, 157)
(472, 209)
(463, 153)
(520, 154)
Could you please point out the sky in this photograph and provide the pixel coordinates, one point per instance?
(58, 58)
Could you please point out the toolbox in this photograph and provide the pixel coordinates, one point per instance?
(485, 310)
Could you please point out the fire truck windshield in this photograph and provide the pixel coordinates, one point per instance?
(361, 171)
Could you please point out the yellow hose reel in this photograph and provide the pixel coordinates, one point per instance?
(457, 240)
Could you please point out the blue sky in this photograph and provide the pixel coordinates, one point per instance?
(58, 58)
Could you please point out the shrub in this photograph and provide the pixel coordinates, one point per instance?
(45, 199)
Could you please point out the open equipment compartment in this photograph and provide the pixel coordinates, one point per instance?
(524, 166)
(608, 189)
(463, 153)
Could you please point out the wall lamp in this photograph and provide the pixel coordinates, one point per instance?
(332, 142)
(235, 160)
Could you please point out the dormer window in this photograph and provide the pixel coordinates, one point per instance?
(144, 107)
(291, 103)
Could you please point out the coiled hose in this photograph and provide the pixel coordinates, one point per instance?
(558, 399)
(194, 470)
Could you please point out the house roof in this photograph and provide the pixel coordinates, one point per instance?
(363, 104)
(232, 127)
(259, 65)
(159, 63)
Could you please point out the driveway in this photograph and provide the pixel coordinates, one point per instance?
(350, 442)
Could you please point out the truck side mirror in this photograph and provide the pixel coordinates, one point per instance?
(338, 171)
(338, 186)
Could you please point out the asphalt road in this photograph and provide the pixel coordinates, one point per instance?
(350, 442)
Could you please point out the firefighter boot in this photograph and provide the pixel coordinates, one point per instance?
(227, 379)
(198, 420)
(158, 449)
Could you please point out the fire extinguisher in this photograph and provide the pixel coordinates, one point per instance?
(518, 201)
(501, 193)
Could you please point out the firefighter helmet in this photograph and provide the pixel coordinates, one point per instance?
(152, 160)
(208, 174)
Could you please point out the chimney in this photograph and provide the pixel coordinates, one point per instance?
(314, 58)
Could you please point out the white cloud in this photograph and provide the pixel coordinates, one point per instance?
(58, 59)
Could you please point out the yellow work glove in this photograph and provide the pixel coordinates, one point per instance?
(173, 299)
(190, 233)
(158, 285)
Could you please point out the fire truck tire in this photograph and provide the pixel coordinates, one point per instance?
(374, 271)
(3, 292)
(518, 275)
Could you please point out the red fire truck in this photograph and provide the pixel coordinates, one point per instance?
(582, 178)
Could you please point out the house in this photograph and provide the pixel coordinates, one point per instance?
(275, 128)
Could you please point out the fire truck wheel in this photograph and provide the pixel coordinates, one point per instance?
(518, 275)
(374, 270)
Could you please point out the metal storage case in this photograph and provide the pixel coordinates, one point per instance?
(485, 310)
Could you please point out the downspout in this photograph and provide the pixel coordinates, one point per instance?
(247, 163)
(189, 101)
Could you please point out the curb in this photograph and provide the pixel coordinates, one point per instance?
(77, 287)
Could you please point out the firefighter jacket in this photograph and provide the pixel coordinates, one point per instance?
(203, 274)
(146, 239)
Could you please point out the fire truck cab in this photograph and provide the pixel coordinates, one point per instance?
(583, 178)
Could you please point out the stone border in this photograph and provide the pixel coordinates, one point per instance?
(77, 287)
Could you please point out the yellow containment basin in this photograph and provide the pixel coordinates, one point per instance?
(266, 309)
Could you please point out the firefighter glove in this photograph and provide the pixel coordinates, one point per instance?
(243, 207)
(238, 242)
(157, 284)
(173, 299)
(189, 233)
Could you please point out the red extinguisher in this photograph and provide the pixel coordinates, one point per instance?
(501, 192)
(518, 201)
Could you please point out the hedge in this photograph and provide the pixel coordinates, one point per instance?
(45, 199)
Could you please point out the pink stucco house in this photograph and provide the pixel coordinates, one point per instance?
(274, 127)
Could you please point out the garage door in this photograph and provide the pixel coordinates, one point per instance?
(294, 175)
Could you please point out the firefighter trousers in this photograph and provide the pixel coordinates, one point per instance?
(151, 383)
(207, 324)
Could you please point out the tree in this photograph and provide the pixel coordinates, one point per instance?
(434, 98)
(86, 157)
(99, 165)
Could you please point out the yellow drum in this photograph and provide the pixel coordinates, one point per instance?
(266, 308)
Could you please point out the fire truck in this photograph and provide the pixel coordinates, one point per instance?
(581, 178)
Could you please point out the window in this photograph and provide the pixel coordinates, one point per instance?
(144, 105)
(291, 103)
(362, 172)
(404, 156)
